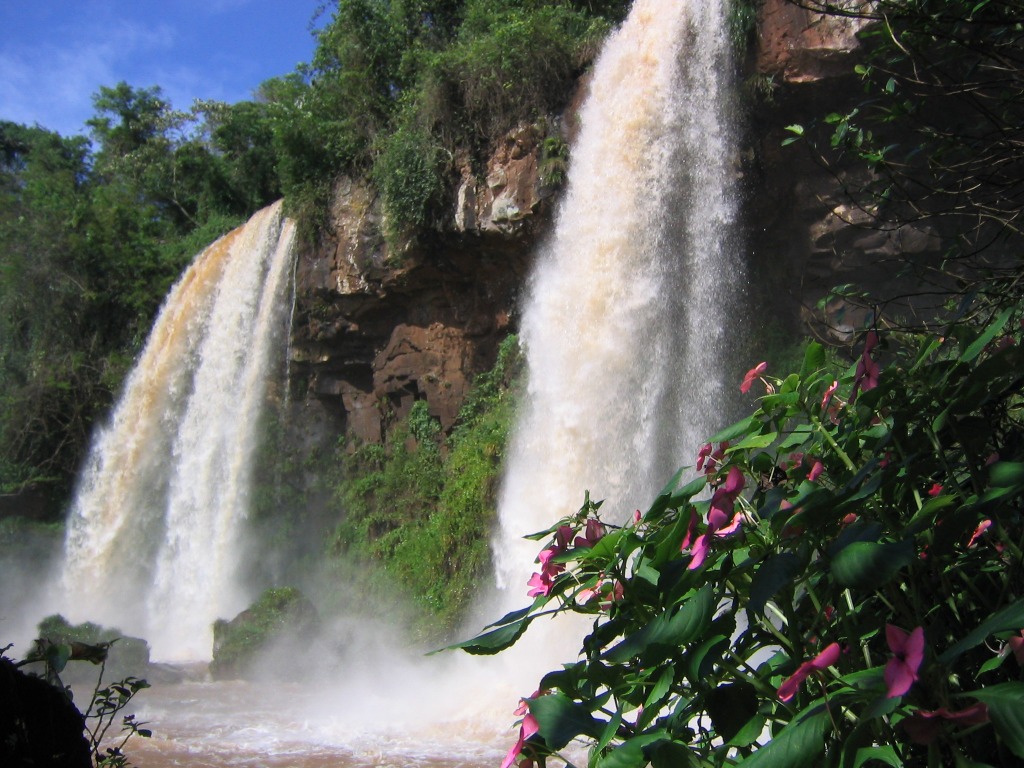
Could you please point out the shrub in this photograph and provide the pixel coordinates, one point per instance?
(840, 581)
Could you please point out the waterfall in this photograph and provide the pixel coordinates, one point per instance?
(153, 538)
(625, 325)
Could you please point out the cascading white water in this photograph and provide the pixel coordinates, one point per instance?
(625, 332)
(625, 327)
(153, 536)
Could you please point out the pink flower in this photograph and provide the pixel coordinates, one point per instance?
(709, 461)
(609, 592)
(691, 529)
(824, 660)
(867, 373)
(592, 534)
(637, 517)
(815, 472)
(908, 653)
(935, 490)
(539, 585)
(827, 397)
(924, 727)
(562, 537)
(702, 454)
(1017, 646)
(983, 526)
(528, 728)
(734, 482)
(719, 523)
(753, 373)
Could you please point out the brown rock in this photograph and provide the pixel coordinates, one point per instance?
(797, 45)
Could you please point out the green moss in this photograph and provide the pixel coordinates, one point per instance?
(418, 518)
(278, 613)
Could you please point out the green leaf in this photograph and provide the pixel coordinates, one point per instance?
(701, 658)
(990, 332)
(1007, 474)
(661, 687)
(1006, 708)
(775, 572)
(800, 744)
(884, 754)
(869, 564)
(755, 441)
(814, 359)
(671, 754)
(689, 490)
(1010, 617)
(737, 429)
(496, 640)
(561, 720)
(630, 754)
(731, 707)
(669, 629)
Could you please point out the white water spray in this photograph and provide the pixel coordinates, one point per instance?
(153, 537)
(625, 325)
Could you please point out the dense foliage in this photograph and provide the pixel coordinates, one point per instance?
(398, 87)
(838, 581)
(939, 126)
(419, 511)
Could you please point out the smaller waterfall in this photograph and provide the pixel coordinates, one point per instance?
(154, 535)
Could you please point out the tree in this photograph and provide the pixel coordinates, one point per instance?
(942, 128)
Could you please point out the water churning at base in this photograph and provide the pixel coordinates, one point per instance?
(626, 320)
(154, 535)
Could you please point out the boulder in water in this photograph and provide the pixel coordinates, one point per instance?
(280, 615)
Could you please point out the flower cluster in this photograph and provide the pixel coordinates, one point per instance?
(527, 728)
(541, 583)
(722, 520)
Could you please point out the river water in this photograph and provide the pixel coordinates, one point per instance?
(288, 725)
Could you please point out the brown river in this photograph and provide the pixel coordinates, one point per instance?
(240, 724)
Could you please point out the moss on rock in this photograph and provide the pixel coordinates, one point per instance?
(279, 614)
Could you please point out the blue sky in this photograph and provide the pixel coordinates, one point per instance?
(55, 54)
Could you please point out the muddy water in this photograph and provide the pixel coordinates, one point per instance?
(238, 724)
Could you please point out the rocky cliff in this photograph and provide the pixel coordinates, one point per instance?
(380, 325)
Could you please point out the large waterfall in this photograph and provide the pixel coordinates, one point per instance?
(153, 536)
(625, 328)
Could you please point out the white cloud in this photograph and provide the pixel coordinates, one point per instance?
(52, 84)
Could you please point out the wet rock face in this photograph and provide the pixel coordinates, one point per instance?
(379, 326)
(810, 227)
(798, 46)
